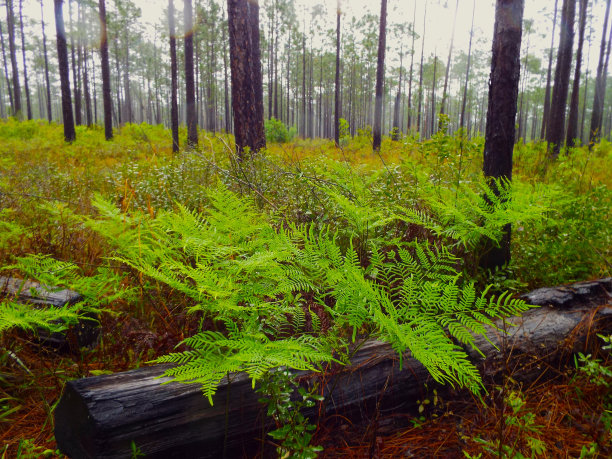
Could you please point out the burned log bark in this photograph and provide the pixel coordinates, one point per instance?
(86, 332)
(101, 417)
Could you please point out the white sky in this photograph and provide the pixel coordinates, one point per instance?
(439, 21)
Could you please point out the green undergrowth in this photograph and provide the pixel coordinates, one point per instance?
(294, 256)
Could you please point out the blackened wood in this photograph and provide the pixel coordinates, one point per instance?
(86, 331)
(190, 104)
(572, 122)
(174, 124)
(100, 417)
(380, 76)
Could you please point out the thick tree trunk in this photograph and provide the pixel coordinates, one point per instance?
(501, 112)
(106, 86)
(380, 76)
(26, 85)
(62, 56)
(556, 120)
(174, 124)
(548, 75)
(192, 123)
(10, 23)
(102, 416)
(258, 134)
(572, 123)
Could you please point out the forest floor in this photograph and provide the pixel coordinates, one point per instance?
(44, 184)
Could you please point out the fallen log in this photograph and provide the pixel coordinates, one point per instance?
(105, 416)
(86, 332)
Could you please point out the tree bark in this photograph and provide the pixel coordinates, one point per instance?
(258, 134)
(501, 112)
(25, 65)
(572, 123)
(191, 115)
(83, 58)
(556, 121)
(174, 124)
(337, 80)
(10, 23)
(380, 76)
(75, 78)
(548, 75)
(62, 56)
(106, 87)
(448, 62)
(6, 74)
(600, 85)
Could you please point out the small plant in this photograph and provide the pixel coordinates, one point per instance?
(277, 132)
(284, 399)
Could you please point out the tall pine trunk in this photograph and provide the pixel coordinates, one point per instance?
(191, 115)
(106, 86)
(25, 65)
(448, 62)
(62, 56)
(174, 123)
(421, 72)
(600, 85)
(258, 133)
(548, 76)
(467, 71)
(337, 81)
(9, 88)
(572, 123)
(10, 23)
(380, 76)
(556, 120)
(501, 112)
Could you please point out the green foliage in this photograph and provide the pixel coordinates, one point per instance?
(248, 277)
(277, 132)
(293, 431)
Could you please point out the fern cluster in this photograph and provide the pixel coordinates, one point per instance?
(252, 279)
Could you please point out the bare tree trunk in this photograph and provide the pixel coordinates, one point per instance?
(421, 72)
(10, 22)
(380, 76)
(572, 123)
(448, 61)
(258, 139)
(467, 71)
(6, 74)
(25, 65)
(501, 112)
(83, 58)
(433, 98)
(600, 85)
(548, 75)
(191, 115)
(409, 122)
(395, 135)
(62, 56)
(337, 80)
(75, 79)
(556, 120)
(106, 86)
(174, 124)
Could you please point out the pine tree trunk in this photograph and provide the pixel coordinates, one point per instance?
(395, 134)
(467, 71)
(25, 65)
(556, 120)
(174, 123)
(6, 74)
(127, 93)
(337, 80)
(83, 57)
(548, 75)
(191, 115)
(75, 79)
(10, 22)
(409, 122)
(501, 112)
(258, 134)
(448, 62)
(419, 129)
(380, 76)
(62, 55)
(572, 123)
(600, 85)
(106, 86)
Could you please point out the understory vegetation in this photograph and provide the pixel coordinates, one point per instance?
(290, 258)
